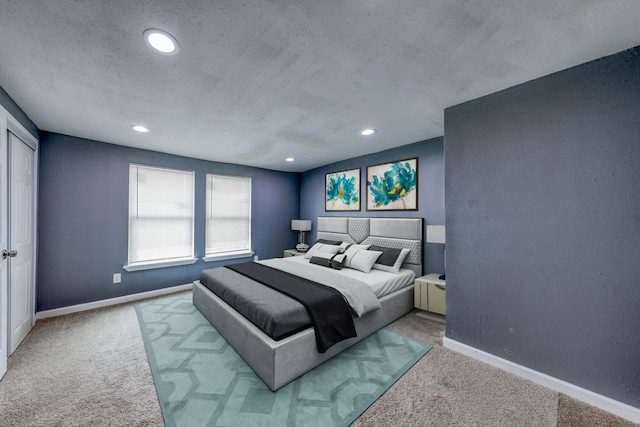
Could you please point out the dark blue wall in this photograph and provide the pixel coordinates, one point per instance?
(9, 104)
(83, 214)
(430, 155)
(543, 225)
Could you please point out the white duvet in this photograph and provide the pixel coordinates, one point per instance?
(361, 290)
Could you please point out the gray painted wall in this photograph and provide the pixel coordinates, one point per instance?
(543, 230)
(83, 210)
(430, 195)
(9, 104)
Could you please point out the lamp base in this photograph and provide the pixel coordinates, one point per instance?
(302, 247)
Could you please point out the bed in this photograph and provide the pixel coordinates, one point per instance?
(279, 361)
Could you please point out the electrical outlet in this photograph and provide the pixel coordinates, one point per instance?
(117, 277)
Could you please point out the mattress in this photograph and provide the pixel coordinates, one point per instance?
(280, 316)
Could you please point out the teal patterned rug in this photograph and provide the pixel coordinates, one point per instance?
(201, 380)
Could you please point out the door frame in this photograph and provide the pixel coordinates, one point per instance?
(8, 123)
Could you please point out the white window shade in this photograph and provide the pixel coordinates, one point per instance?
(228, 227)
(160, 214)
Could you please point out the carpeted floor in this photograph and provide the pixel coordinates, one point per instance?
(91, 369)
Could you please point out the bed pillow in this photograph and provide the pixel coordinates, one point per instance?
(322, 248)
(355, 247)
(391, 259)
(328, 242)
(343, 245)
(359, 258)
(337, 261)
(351, 249)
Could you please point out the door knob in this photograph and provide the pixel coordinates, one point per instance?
(6, 253)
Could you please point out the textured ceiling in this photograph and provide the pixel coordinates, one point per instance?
(257, 81)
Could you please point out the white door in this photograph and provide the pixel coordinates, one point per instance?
(4, 264)
(21, 236)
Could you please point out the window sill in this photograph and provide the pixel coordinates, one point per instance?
(228, 255)
(160, 264)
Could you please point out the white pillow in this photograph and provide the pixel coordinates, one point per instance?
(322, 248)
(361, 259)
(353, 248)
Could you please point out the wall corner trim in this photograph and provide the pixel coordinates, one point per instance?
(620, 409)
(111, 301)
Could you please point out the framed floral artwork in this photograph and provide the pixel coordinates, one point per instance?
(393, 186)
(342, 191)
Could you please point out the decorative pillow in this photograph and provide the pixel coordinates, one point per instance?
(328, 260)
(344, 246)
(337, 261)
(361, 259)
(328, 242)
(351, 249)
(321, 260)
(322, 248)
(391, 259)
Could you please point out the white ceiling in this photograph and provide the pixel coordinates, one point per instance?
(257, 81)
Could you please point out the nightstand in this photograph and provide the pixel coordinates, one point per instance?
(292, 252)
(430, 294)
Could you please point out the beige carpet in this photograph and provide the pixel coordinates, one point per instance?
(90, 369)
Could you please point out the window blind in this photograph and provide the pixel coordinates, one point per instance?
(228, 226)
(160, 214)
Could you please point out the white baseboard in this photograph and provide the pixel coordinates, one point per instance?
(599, 401)
(112, 301)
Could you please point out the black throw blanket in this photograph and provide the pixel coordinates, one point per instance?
(328, 310)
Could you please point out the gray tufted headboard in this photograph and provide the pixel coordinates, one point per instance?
(390, 232)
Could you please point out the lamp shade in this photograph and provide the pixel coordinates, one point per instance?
(435, 234)
(301, 224)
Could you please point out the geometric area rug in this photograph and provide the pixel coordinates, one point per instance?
(202, 381)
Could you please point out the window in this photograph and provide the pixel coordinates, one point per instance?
(160, 217)
(228, 225)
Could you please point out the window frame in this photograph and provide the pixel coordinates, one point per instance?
(165, 262)
(234, 254)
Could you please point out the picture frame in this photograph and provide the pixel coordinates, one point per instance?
(342, 191)
(393, 186)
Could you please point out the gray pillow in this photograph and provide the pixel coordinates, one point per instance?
(391, 259)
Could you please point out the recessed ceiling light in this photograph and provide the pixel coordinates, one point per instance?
(290, 159)
(140, 128)
(368, 132)
(160, 41)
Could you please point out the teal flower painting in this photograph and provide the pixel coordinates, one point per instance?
(342, 190)
(393, 186)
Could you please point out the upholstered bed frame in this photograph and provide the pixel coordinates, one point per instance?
(279, 362)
